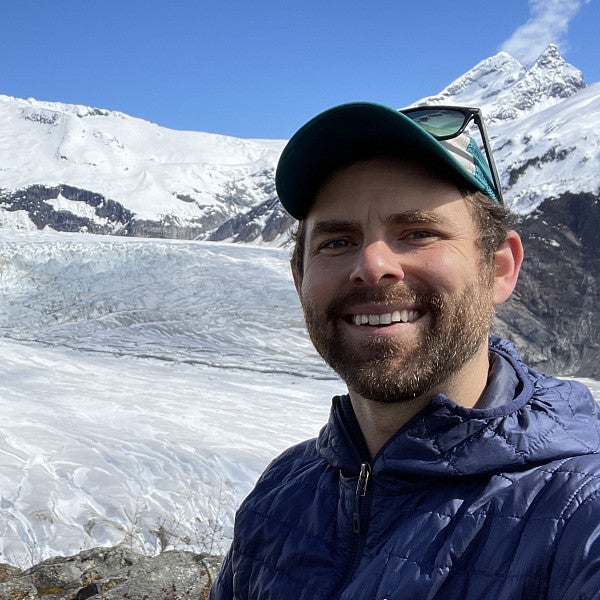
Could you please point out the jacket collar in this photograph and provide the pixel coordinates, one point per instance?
(525, 418)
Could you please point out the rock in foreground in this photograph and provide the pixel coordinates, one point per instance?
(115, 573)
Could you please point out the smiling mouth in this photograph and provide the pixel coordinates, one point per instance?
(397, 316)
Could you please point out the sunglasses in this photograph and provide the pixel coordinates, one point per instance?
(447, 122)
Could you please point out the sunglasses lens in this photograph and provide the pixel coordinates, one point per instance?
(440, 123)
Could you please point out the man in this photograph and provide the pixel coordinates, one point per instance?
(450, 470)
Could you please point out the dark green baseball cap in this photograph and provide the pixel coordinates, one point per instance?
(360, 130)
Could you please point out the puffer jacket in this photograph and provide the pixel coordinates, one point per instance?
(495, 502)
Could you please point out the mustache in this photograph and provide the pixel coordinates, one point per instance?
(424, 299)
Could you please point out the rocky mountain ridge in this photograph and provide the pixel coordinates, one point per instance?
(509, 90)
(553, 316)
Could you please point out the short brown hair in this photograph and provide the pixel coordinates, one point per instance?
(493, 222)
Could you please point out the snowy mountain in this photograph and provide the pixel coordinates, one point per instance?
(507, 90)
(542, 124)
(146, 383)
(75, 168)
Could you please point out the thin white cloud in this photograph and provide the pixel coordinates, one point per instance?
(548, 23)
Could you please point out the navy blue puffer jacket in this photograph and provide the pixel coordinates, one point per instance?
(499, 502)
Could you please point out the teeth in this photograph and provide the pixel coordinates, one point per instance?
(398, 316)
(385, 319)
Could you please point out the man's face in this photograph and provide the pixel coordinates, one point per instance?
(395, 297)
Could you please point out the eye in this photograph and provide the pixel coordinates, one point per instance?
(421, 235)
(336, 244)
(333, 246)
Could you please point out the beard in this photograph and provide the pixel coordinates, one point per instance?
(385, 369)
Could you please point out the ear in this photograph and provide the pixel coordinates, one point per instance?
(507, 260)
(297, 280)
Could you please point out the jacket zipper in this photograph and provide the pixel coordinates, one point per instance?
(361, 492)
(358, 525)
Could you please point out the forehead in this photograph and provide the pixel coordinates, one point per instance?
(384, 186)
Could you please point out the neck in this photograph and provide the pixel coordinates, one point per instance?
(379, 421)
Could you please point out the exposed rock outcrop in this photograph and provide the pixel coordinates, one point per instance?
(554, 314)
(116, 573)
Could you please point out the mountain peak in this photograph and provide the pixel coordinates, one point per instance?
(508, 89)
(550, 57)
(484, 81)
(550, 80)
(556, 69)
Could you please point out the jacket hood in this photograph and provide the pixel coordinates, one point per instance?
(447, 440)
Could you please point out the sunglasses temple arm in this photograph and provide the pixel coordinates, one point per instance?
(488, 151)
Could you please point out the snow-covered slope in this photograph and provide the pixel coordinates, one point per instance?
(542, 123)
(144, 385)
(76, 168)
(557, 152)
(150, 170)
(101, 443)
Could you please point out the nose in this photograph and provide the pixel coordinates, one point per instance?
(377, 263)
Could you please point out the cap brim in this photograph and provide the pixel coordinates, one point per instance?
(347, 133)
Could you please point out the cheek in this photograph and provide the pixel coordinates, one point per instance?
(320, 283)
(314, 289)
(446, 272)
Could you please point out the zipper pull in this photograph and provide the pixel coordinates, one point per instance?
(363, 480)
(361, 491)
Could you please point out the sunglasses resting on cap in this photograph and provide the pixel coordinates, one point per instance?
(349, 131)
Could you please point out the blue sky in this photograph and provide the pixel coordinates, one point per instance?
(262, 68)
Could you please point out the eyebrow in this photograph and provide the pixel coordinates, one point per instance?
(407, 217)
(333, 226)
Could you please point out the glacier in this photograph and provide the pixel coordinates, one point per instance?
(144, 386)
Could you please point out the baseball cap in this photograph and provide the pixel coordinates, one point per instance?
(359, 130)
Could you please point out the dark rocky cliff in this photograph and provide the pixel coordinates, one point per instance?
(99, 215)
(554, 314)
